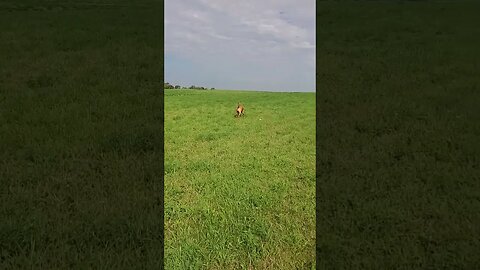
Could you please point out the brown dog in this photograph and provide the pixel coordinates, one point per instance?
(240, 110)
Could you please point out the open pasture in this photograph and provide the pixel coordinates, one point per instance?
(239, 192)
(398, 134)
(80, 135)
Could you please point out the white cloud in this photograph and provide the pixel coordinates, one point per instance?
(265, 33)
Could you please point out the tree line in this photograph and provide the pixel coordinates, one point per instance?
(167, 85)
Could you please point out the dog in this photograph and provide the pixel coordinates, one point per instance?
(240, 110)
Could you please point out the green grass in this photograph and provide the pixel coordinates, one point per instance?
(398, 135)
(397, 132)
(239, 192)
(80, 136)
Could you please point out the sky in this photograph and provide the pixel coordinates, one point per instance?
(264, 45)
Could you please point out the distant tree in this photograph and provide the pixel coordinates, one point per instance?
(177, 86)
(167, 86)
(192, 87)
(212, 88)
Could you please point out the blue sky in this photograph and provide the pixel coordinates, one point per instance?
(246, 45)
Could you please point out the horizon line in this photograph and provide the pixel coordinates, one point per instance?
(247, 90)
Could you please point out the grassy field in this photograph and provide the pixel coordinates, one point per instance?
(80, 135)
(239, 192)
(398, 135)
